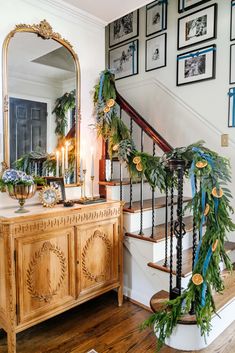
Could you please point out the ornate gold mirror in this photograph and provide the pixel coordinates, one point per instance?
(41, 92)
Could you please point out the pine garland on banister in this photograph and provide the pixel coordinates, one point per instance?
(209, 174)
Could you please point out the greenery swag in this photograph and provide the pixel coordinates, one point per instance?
(63, 104)
(209, 174)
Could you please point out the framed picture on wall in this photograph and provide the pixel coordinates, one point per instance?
(231, 107)
(197, 27)
(155, 52)
(232, 22)
(232, 64)
(184, 5)
(156, 17)
(124, 59)
(124, 28)
(197, 65)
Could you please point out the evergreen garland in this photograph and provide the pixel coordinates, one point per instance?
(210, 204)
(63, 104)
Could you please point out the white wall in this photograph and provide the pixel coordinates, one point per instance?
(87, 37)
(187, 113)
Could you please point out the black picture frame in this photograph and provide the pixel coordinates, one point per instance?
(231, 107)
(58, 183)
(121, 50)
(195, 39)
(162, 59)
(206, 74)
(232, 65)
(232, 21)
(182, 8)
(127, 37)
(149, 7)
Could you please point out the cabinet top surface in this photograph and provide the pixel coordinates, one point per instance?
(9, 206)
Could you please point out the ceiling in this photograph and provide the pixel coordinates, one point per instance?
(107, 10)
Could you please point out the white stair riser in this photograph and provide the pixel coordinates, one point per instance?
(188, 337)
(154, 252)
(131, 221)
(113, 192)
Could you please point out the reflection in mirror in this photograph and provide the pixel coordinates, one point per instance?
(42, 83)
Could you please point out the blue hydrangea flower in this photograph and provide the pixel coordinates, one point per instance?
(12, 176)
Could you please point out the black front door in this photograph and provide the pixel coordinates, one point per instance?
(28, 127)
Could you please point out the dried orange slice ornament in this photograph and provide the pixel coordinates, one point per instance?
(106, 109)
(214, 246)
(139, 167)
(136, 160)
(115, 147)
(218, 193)
(207, 209)
(201, 164)
(197, 279)
(110, 103)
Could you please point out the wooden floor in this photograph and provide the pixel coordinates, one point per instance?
(101, 325)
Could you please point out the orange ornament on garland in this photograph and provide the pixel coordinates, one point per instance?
(197, 279)
(139, 167)
(110, 103)
(207, 209)
(201, 164)
(137, 160)
(218, 193)
(106, 109)
(214, 246)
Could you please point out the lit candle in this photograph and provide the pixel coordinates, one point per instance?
(66, 155)
(92, 163)
(62, 160)
(81, 170)
(57, 164)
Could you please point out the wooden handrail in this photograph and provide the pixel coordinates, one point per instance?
(141, 122)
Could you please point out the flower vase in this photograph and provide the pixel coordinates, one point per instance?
(21, 193)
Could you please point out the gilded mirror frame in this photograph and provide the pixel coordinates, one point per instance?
(45, 31)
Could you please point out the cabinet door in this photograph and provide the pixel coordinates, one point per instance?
(45, 274)
(99, 248)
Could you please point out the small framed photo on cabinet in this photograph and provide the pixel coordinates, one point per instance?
(124, 28)
(197, 65)
(156, 17)
(232, 22)
(232, 64)
(155, 54)
(124, 60)
(197, 27)
(184, 5)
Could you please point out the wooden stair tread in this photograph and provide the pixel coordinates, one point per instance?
(158, 300)
(186, 261)
(160, 202)
(116, 182)
(159, 231)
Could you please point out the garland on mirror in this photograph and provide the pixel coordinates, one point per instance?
(62, 106)
(209, 174)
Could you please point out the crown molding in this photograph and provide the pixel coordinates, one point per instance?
(68, 12)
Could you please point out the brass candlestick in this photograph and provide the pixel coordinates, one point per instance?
(84, 183)
(81, 184)
(92, 187)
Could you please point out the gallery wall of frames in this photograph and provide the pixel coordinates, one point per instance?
(196, 48)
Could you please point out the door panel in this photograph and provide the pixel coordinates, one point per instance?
(46, 273)
(99, 255)
(28, 127)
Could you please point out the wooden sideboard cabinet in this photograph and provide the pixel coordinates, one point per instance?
(52, 260)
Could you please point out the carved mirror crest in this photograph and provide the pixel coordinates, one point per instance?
(41, 102)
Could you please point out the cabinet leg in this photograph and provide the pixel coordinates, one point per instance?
(11, 342)
(120, 296)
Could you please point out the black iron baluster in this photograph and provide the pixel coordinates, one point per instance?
(192, 310)
(171, 232)
(166, 225)
(120, 168)
(153, 199)
(179, 226)
(141, 187)
(131, 185)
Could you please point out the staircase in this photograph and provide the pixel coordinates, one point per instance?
(160, 235)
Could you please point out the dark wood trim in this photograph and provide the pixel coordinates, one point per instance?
(139, 120)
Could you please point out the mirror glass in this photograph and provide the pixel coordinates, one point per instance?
(42, 90)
